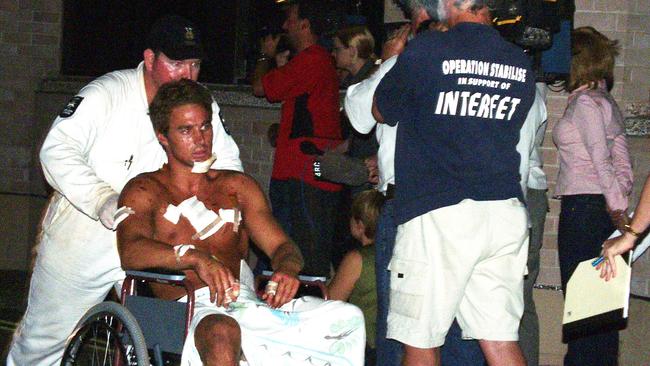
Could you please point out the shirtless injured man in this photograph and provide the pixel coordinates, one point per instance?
(187, 217)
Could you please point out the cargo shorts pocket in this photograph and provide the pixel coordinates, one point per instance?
(406, 287)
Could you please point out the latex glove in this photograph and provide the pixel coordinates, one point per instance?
(107, 211)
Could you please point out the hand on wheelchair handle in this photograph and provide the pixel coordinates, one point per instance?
(287, 286)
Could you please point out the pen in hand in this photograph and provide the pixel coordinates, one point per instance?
(597, 261)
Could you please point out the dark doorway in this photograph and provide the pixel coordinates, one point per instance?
(100, 36)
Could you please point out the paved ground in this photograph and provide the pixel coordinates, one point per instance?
(13, 292)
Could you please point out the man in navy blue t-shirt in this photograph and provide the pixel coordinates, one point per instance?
(460, 99)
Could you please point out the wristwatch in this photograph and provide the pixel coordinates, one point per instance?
(629, 229)
(263, 57)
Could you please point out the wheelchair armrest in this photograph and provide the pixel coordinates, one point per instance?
(302, 278)
(157, 275)
(306, 282)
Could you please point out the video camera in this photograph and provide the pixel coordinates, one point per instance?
(529, 23)
(543, 27)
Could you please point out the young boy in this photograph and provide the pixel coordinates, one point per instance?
(355, 279)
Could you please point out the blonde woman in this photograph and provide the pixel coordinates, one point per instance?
(595, 177)
(354, 53)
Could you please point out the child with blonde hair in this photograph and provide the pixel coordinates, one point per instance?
(355, 278)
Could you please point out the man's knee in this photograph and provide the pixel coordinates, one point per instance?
(414, 356)
(218, 337)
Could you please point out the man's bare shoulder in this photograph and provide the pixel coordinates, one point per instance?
(233, 181)
(144, 185)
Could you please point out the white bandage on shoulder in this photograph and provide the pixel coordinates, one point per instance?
(206, 222)
(204, 166)
(181, 249)
(121, 214)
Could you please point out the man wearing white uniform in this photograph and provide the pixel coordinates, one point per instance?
(101, 139)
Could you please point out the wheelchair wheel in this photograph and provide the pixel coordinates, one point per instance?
(106, 335)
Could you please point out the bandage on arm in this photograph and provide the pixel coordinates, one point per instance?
(180, 250)
(121, 214)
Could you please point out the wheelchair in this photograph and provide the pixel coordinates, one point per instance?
(143, 331)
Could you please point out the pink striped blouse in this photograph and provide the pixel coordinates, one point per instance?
(593, 153)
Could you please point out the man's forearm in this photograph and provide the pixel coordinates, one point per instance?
(287, 258)
(147, 253)
(641, 219)
(262, 67)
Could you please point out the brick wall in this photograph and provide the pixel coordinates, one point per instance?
(29, 45)
(248, 127)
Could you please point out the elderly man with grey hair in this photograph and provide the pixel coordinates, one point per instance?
(358, 106)
(460, 98)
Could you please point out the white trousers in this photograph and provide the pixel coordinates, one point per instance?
(464, 261)
(55, 305)
(305, 331)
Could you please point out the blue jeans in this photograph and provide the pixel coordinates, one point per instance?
(584, 226)
(455, 352)
(389, 351)
(278, 193)
(307, 215)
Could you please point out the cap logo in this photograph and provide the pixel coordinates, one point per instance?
(189, 33)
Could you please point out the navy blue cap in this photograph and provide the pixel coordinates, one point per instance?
(176, 37)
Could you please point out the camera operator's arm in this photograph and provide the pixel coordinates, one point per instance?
(268, 46)
(396, 42)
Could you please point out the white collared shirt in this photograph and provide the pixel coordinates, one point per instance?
(358, 106)
(531, 137)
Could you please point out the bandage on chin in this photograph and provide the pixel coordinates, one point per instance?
(203, 166)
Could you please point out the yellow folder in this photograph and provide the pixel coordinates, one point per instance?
(590, 300)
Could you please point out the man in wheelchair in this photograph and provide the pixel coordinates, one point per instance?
(187, 217)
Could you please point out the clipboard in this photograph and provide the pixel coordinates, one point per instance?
(592, 304)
